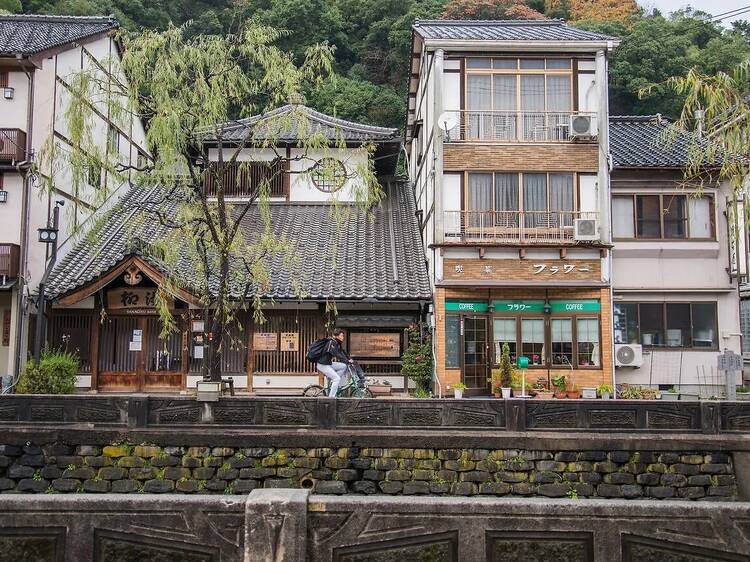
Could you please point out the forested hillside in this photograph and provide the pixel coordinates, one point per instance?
(372, 39)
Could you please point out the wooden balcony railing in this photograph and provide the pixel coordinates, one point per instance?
(12, 145)
(513, 227)
(242, 179)
(510, 126)
(9, 261)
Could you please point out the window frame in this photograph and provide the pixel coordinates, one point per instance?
(633, 197)
(520, 188)
(664, 317)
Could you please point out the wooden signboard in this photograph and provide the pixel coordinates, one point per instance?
(265, 341)
(133, 300)
(522, 269)
(375, 345)
(289, 341)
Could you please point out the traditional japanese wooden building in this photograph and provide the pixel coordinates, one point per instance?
(371, 266)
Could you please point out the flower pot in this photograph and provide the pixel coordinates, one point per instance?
(573, 394)
(496, 394)
(458, 393)
(605, 396)
(589, 392)
(380, 388)
(670, 396)
(544, 395)
(560, 394)
(506, 392)
(743, 396)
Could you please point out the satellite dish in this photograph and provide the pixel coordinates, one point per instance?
(448, 121)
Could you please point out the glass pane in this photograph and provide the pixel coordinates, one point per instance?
(622, 217)
(532, 63)
(532, 93)
(535, 201)
(532, 340)
(479, 201)
(559, 97)
(557, 64)
(561, 200)
(504, 331)
(452, 339)
(587, 332)
(652, 324)
(704, 325)
(505, 99)
(505, 63)
(562, 341)
(478, 103)
(626, 322)
(506, 199)
(678, 325)
(675, 216)
(700, 217)
(648, 216)
(478, 63)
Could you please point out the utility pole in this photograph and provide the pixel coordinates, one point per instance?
(49, 236)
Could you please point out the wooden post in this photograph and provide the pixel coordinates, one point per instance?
(140, 367)
(185, 348)
(94, 347)
(250, 328)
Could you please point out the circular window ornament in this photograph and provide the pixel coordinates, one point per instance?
(328, 175)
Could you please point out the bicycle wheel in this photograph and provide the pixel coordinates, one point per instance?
(362, 393)
(314, 391)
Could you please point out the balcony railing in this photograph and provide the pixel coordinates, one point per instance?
(12, 145)
(243, 180)
(9, 261)
(510, 126)
(513, 227)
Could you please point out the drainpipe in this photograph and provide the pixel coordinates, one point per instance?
(24, 254)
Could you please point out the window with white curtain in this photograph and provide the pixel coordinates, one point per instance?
(548, 199)
(562, 341)
(504, 331)
(662, 216)
(587, 332)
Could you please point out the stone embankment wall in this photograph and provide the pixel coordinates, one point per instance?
(127, 468)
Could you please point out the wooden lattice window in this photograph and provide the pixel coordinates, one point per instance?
(328, 175)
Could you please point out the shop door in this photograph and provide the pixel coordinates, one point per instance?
(476, 360)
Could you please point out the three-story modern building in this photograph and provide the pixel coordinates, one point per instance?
(508, 155)
(39, 55)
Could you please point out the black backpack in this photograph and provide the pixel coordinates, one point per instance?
(316, 349)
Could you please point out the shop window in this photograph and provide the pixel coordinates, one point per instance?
(626, 322)
(562, 341)
(532, 340)
(587, 332)
(678, 325)
(669, 325)
(504, 331)
(452, 341)
(704, 325)
(652, 324)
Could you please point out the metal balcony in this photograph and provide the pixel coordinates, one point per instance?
(510, 126)
(513, 227)
(9, 261)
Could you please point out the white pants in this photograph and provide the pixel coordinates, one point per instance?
(334, 373)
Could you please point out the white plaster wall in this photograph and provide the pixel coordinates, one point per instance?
(10, 212)
(589, 194)
(13, 113)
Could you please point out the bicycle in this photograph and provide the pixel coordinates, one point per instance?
(348, 390)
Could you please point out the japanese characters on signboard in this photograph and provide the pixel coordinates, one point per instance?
(265, 341)
(522, 269)
(132, 300)
(289, 341)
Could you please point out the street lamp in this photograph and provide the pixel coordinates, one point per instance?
(47, 235)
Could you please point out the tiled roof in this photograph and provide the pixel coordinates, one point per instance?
(643, 141)
(504, 30)
(283, 124)
(32, 34)
(379, 257)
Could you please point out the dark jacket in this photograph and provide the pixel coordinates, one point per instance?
(333, 352)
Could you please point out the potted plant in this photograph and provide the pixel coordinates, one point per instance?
(458, 389)
(670, 395)
(506, 372)
(743, 393)
(560, 383)
(378, 387)
(605, 391)
(494, 381)
(541, 392)
(572, 391)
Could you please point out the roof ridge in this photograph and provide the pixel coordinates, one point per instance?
(657, 119)
(547, 21)
(59, 18)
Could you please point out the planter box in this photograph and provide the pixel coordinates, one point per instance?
(670, 396)
(743, 396)
(588, 392)
(688, 396)
(380, 388)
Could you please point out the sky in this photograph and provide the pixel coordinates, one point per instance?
(711, 6)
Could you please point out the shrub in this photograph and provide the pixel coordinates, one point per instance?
(417, 359)
(54, 374)
(506, 368)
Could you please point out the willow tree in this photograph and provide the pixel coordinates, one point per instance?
(191, 91)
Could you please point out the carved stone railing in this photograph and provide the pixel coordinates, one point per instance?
(600, 416)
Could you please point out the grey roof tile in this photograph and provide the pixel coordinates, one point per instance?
(32, 34)
(504, 30)
(283, 124)
(643, 141)
(360, 260)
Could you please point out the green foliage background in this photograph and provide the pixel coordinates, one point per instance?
(372, 40)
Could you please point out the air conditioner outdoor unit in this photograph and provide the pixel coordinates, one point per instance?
(582, 126)
(585, 229)
(628, 355)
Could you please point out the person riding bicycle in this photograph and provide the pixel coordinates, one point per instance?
(334, 360)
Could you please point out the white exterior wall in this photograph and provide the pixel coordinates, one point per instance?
(13, 113)
(679, 271)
